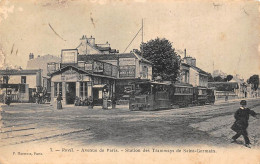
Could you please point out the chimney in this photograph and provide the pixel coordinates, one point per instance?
(185, 53)
(31, 56)
(91, 41)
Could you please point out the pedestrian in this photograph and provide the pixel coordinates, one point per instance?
(241, 123)
(91, 103)
(59, 104)
(114, 102)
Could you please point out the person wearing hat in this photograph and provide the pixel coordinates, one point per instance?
(59, 103)
(241, 123)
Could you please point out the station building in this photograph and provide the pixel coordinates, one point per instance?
(91, 68)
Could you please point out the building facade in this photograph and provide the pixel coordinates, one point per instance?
(193, 75)
(20, 84)
(41, 62)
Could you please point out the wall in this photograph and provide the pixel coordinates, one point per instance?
(86, 48)
(41, 63)
(203, 80)
(194, 79)
(30, 80)
(147, 73)
(113, 62)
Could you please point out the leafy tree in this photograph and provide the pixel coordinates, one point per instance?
(229, 77)
(165, 61)
(254, 81)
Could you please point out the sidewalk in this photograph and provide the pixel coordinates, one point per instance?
(235, 100)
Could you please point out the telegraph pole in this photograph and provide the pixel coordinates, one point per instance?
(142, 37)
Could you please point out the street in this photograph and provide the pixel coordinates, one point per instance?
(38, 133)
(41, 123)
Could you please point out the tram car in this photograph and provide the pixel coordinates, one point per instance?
(149, 95)
(200, 95)
(183, 95)
(210, 96)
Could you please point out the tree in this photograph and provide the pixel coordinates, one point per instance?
(165, 61)
(254, 81)
(229, 77)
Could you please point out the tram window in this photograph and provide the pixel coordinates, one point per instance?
(178, 90)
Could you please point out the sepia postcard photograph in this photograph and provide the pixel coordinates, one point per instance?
(129, 81)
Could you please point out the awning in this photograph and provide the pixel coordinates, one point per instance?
(99, 86)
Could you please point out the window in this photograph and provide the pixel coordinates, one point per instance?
(5, 79)
(100, 96)
(86, 89)
(22, 88)
(23, 79)
(60, 88)
(55, 89)
(81, 89)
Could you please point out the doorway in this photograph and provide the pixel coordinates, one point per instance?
(97, 96)
(70, 92)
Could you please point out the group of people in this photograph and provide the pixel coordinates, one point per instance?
(89, 102)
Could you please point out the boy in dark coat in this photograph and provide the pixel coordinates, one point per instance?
(241, 123)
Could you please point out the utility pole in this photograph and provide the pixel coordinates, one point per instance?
(142, 37)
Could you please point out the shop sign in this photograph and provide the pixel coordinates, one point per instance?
(88, 66)
(69, 56)
(127, 71)
(114, 71)
(126, 61)
(107, 69)
(98, 67)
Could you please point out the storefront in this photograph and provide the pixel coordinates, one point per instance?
(75, 83)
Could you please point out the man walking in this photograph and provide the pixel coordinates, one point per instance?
(241, 123)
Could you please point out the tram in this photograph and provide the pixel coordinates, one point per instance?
(152, 95)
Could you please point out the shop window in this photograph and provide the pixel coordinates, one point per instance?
(60, 88)
(86, 88)
(23, 79)
(55, 89)
(100, 94)
(81, 89)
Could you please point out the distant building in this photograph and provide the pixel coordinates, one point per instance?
(225, 90)
(114, 71)
(20, 84)
(191, 74)
(41, 62)
(219, 73)
(89, 46)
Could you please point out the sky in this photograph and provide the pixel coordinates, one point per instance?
(225, 33)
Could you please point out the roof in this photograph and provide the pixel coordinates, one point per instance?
(200, 70)
(112, 57)
(103, 48)
(19, 72)
(79, 70)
